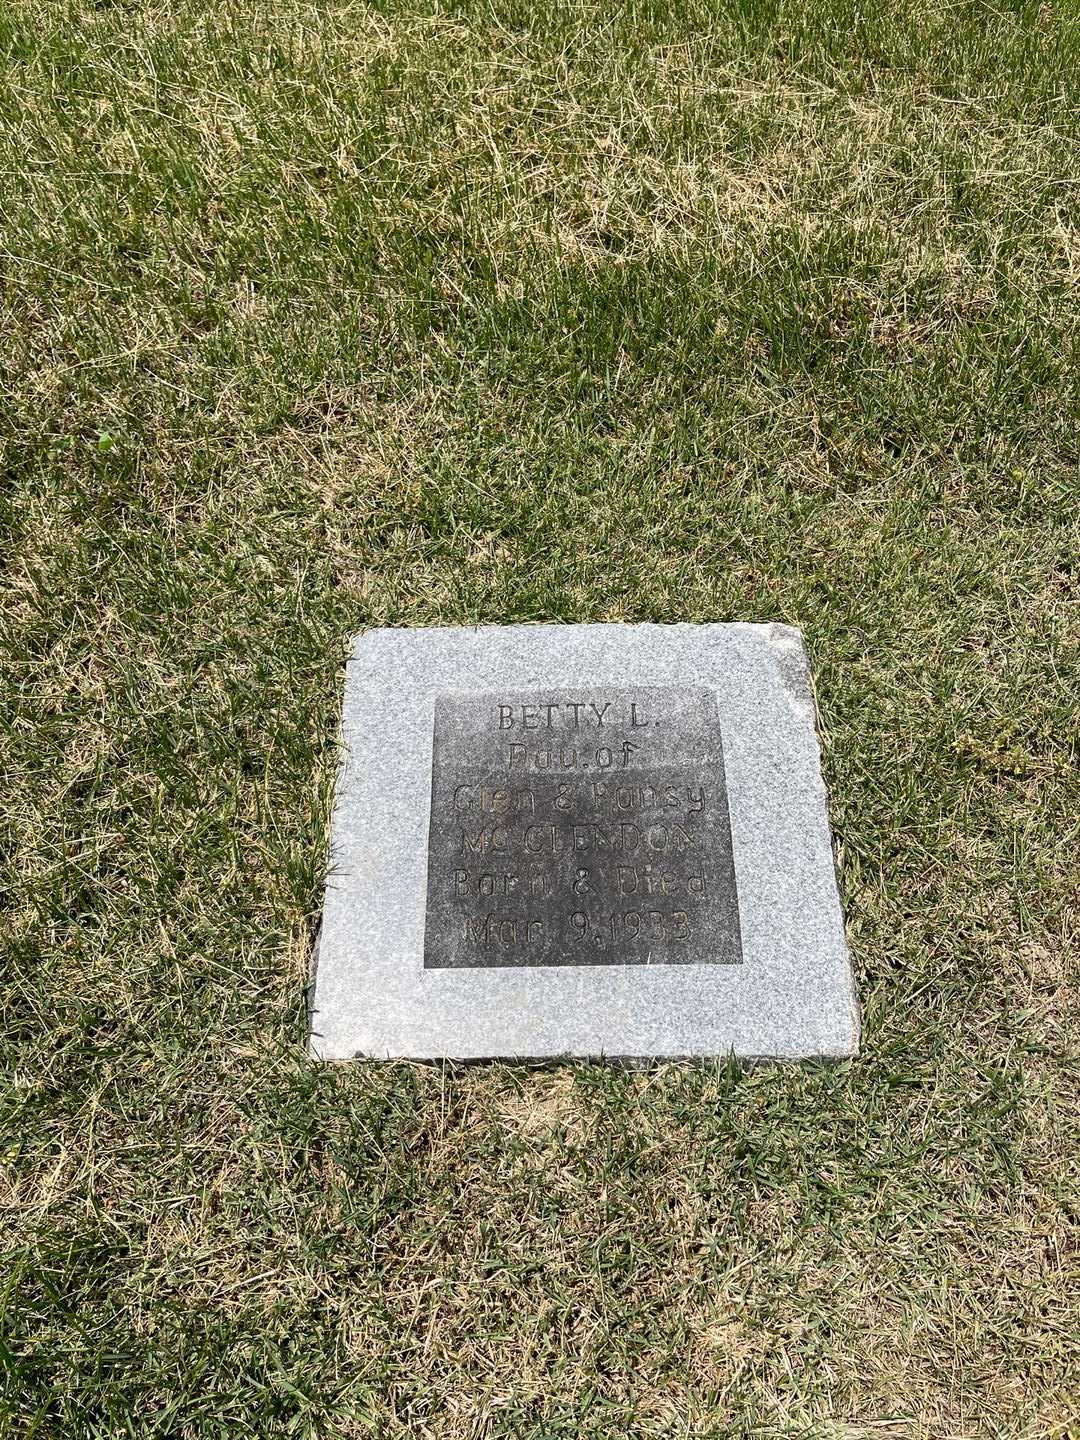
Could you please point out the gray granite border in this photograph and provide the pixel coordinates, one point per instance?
(793, 997)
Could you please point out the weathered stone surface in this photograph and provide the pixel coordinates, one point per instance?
(593, 840)
(579, 827)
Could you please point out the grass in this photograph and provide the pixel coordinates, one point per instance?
(323, 316)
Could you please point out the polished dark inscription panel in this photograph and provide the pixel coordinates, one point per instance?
(579, 827)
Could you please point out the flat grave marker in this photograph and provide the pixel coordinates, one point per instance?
(595, 840)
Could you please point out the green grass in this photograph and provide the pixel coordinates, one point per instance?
(323, 316)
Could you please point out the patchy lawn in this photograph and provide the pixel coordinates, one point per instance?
(322, 316)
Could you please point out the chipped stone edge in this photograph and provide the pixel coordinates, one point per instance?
(798, 672)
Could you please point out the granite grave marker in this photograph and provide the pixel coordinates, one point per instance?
(596, 840)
